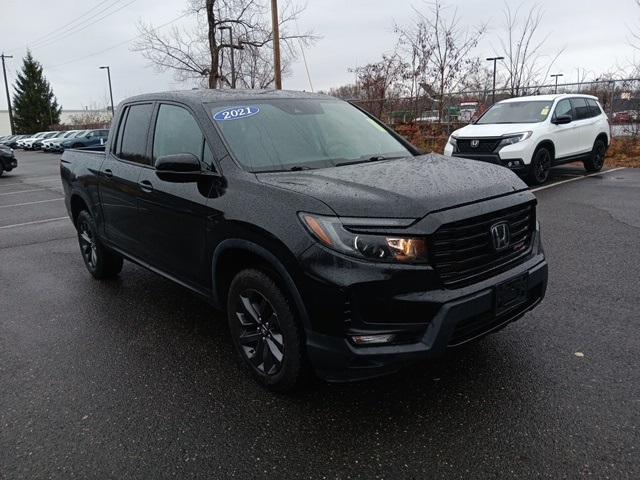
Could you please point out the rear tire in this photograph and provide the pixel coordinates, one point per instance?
(540, 166)
(265, 331)
(100, 261)
(595, 162)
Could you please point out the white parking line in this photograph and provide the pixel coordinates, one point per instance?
(35, 180)
(34, 222)
(576, 178)
(32, 203)
(23, 191)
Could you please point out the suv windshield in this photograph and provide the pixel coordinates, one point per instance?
(284, 134)
(517, 112)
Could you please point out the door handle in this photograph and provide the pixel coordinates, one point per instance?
(145, 186)
(108, 173)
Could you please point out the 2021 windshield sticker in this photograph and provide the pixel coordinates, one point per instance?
(235, 113)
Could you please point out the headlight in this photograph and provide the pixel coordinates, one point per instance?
(453, 141)
(514, 138)
(381, 248)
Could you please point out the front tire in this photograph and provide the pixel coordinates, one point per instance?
(265, 331)
(540, 166)
(595, 162)
(100, 262)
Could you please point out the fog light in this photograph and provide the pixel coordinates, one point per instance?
(373, 339)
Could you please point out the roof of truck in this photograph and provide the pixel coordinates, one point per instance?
(217, 95)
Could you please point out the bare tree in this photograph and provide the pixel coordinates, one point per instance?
(522, 48)
(199, 53)
(378, 82)
(440, 49)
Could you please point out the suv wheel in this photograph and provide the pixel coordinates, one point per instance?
(101, 262)
(265, 331)
(539, 168)
(596, 161)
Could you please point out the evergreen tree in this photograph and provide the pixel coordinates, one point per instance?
(35, 106)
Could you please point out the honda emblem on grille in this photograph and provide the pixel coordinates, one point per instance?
(475, 143)
(500, 236)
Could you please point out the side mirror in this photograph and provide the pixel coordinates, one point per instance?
(562, 120)
(178, 163)
(179, 168)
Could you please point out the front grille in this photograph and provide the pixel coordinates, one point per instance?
(485, 145)
(462, 252)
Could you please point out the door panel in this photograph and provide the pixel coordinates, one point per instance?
(173, 216)
(564, 136)
(119, 198)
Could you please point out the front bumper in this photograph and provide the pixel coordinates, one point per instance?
(461, 316)
(8, 163)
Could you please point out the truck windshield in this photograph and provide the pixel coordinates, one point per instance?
(295, 134)
(517, 112)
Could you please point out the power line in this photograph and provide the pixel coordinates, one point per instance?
(119, 44)
(85, 26)
(37, 40)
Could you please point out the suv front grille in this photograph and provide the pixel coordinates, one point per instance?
(463, 253)
(485, 145)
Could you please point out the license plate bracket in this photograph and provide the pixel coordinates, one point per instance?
(511, 293)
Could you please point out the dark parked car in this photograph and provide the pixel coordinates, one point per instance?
(88, 139)
(8, 160)
(332, 243)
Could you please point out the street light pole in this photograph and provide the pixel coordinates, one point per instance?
(276, 44)
(110, 90)
(233, 62)
(495, 61)
(556, 75)
(6, 87)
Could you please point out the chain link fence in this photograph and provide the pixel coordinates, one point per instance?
(619, 98)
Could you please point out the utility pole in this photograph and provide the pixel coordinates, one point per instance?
(110, 91)
(233, 61)
(276, 44)
(556, 75)
(494, 60)
(6, 87)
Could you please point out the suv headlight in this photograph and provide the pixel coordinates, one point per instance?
(453, 141)
(380, 248)
(514, 138)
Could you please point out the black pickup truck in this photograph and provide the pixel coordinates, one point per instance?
(333, 244)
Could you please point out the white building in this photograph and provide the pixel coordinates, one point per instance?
(65, 117)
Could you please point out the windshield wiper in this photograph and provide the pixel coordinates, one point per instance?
(375, 158)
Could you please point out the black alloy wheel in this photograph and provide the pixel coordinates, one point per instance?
(266, 330)
(88, 246)
(540, 166)
(99, 260)
(596, 161)
(260, 336)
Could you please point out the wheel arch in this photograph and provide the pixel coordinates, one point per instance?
(548, 144)
(234, 255)
(77, 204)
(603, 136)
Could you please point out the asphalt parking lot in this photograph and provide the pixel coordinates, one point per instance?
(135, 378)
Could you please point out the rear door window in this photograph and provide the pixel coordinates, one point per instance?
(580, 108)
(132, 134)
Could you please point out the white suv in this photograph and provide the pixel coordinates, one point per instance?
(531, 134)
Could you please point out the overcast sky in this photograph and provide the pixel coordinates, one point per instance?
(354, 32)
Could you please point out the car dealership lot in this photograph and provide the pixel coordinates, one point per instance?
(136, 377)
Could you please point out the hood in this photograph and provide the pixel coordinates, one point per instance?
(493, 129)
(410, 187)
